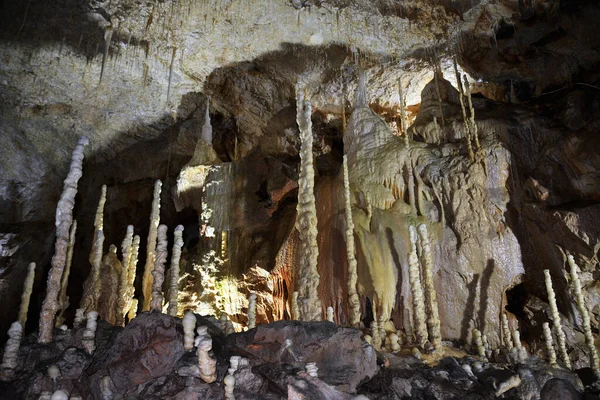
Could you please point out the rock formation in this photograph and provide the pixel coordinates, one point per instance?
(151, 247)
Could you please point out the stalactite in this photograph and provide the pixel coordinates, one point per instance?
(252, 311)
(151, 247)
(353, 299)
(207, 134)
(174, 283)
(306, 223)
(549, 344)
(89, 334)
(585, 316)
(506, 332)
(89, 299)
(171, 74)
(416, 290)
(207, 364)
(464, 112)
(108, 32)
(403, 114)
(126, 247)
(189, 324)
(433, 318)
(11, 352)
(63, 299)
(64, 219)
(472, 113)
(439, 94)
(26, 295)
(159, 269)
(361, 93)
(560, 335)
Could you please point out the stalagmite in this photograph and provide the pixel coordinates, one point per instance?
(506, 332)
(295, 307)
(353, 299)
(252, 311)
(105, 388)
(63, 299)
(26, 295)
(394, 341)
(549, 344)
(79, 317)
(411, 185)
(159, 269)
(472, 113)
(64, 218)
(560, 335)
(585, 316)
(416, 290)
(229, 382)
(479, 343)
(375, 336)
(312, 369)
(464, 112)
(126, 247)
(60, 395)
(11, 352)
(330, 314)
(207, 364)
(433, 318)
(151, 247)
(505, 386)
(174, 283)
(90, 297)
(131, 273)
(131, 314)
(53, 372)
(189, 324)
(403, 113)
(89, 335)
(521, 352)
(306, 223)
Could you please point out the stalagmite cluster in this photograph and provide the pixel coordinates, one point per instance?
(126, 250)
(585, 316)
(63, 299)
(560, 335)
(472, 113)
(132, 304)
(207, 364)
(89, 335)
(159, 269)
(416, 289)
(11, 352)
(433, 318)
(478, 341)
(151, 247)
(174, 278)
(252, 311)
(26, 295)
(306, 223)
(549, 344)
(353, 300)
(64, 219)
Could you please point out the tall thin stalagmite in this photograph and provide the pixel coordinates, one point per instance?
(63, 300)
(585, 315)
(64, 219)
(461, 95)
(353, 300)
(416, 288)
(472, 113)
(159, 269)
(126, 247)
(151, 247)
(175, 257)
(560, 335)
(306, 223)
(131, 273)
(26, 295)
(431, 305)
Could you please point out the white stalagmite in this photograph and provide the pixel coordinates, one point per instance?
(505, 386)
(472, 113)
(11, 352)
(252, 311)
(132, 310)
(585, 315)
(521, 352)
(229, 382)
(63, 299)
(506, 332)
(189, 324)
(431, 305)
(207, 364)
(464, 112)
(306, 223)
(91, 290)
(560, 335)
(312, 369)
(416, 290)
(151, 247)
(64, 219)
(26, 295)
(174, 283)
(549, 344)
(89, 335)
(79, 317)
(330, 314)
(131, 273)
(60, 395)
(126, 247)
(353, 300)
(479, 343)
(159, 269)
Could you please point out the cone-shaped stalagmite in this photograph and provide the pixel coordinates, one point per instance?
(11, 352)
(151, 248)
(560, 335)
(350, 252)
(126, 247)
(174, 273)
(306, 223)
(64, 219)
(26, 296)
(63, 300)
(159, 269)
